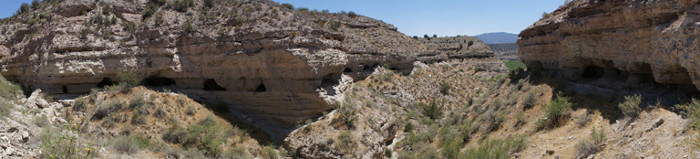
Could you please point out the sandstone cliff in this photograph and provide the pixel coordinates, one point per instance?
(272, 64)
(627, 41)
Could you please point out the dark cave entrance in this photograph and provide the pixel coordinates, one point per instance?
(105, 82)
(593, 72)
(261, 88)
(211, 85)
(330, 80)
(347, 70)
(65, 89)
(158, 81)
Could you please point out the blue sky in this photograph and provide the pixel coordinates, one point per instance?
(418, 17)
(443, 17)
(9, 7)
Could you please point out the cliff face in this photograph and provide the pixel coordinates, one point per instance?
(458, 47)
(273, 65)
(632, 40)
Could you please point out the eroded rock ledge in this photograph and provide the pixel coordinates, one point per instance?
(632, 41)
(271, 64)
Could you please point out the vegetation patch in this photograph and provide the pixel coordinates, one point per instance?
(555, 112)
(630, 107)
(496, 149)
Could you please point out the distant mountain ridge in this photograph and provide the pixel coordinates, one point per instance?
(498, 38)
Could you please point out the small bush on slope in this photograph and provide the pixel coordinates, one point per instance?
(9, 90)
(432, 110)
(692, 112)
(630, 107)
(5, 109)
(495, 149)
(554, 111)
(593, 145)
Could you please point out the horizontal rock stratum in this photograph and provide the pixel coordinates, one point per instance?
(631, 40)
(272, 64)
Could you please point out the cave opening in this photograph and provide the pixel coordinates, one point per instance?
(211, 85)
(65, 89)
(105, 82)
(347, 70)
(593, 72)
(366, 68)
(261, 88)
(330, 80)
(158, 81)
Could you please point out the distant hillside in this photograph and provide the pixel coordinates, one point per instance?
(498, 38)
(505, 51)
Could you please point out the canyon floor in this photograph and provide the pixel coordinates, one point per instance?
(454, 109)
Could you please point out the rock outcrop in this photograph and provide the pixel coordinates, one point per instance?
(633, 40)
(458, 47)
(271, 64)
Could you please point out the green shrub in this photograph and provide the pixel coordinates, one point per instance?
(348, 113)
(41, 121)
(545, 15)
(126, 145)
(146, 13)
(187, 27)
(79, 105)
(57, 145)
(268, 152)
(432, 110)
(24, 8)
(238, 152)
(630, 107)
(119, 88)
(554, 111)
(692, 112)
(513, 65)
(495, 149)
(586, 147)
(129, 27)
(445, 88)
(183, 5)
(127, 77)
(287, 5)
(240, 20)
(206, 135)
(209, 3)
(137, 101)
(598, 136)
(160, 113)
(138, 119)
(345, 142)
(530, 99)
(450, 142)
(190, 110)
(9, 90)
(5, 108)
(352, 14)
(408, 127)
(334, 25)
(106, 9)
(36, 4)
(106, 109)
(84, 33)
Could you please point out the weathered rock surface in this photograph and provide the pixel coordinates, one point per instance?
(634, 40)
(458, 47)
(267, 62)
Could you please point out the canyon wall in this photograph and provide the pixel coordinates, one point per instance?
(271, 64)
(632, 41)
